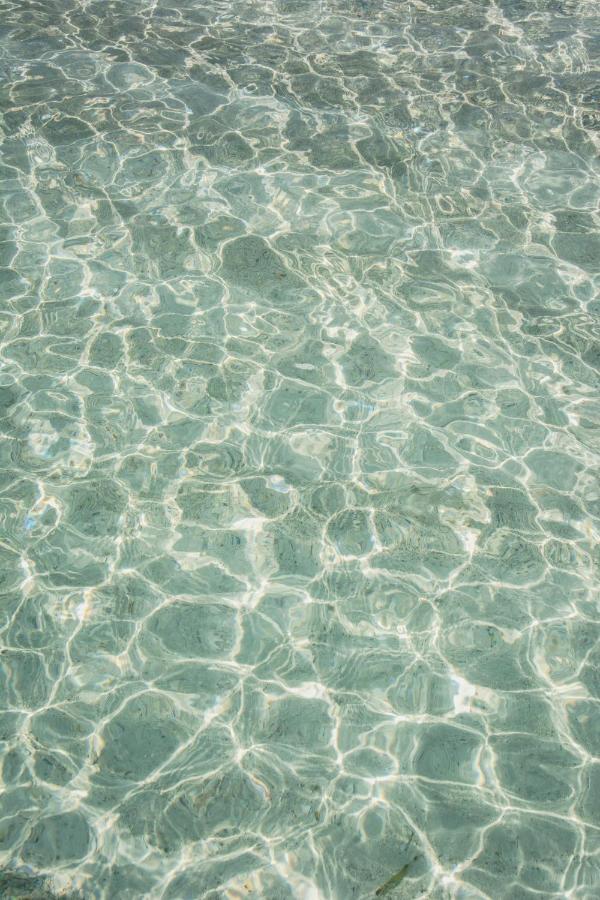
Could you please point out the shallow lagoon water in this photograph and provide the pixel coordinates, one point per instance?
(300, 449)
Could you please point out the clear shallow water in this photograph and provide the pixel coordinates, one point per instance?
(300, 449)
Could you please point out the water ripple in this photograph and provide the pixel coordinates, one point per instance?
(299, 449)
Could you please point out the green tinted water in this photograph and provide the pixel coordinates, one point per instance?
(300, 449)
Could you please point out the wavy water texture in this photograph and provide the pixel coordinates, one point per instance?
(300, 449)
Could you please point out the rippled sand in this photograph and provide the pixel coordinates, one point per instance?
(300, 449)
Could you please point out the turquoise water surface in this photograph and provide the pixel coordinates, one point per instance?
(300, 449)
